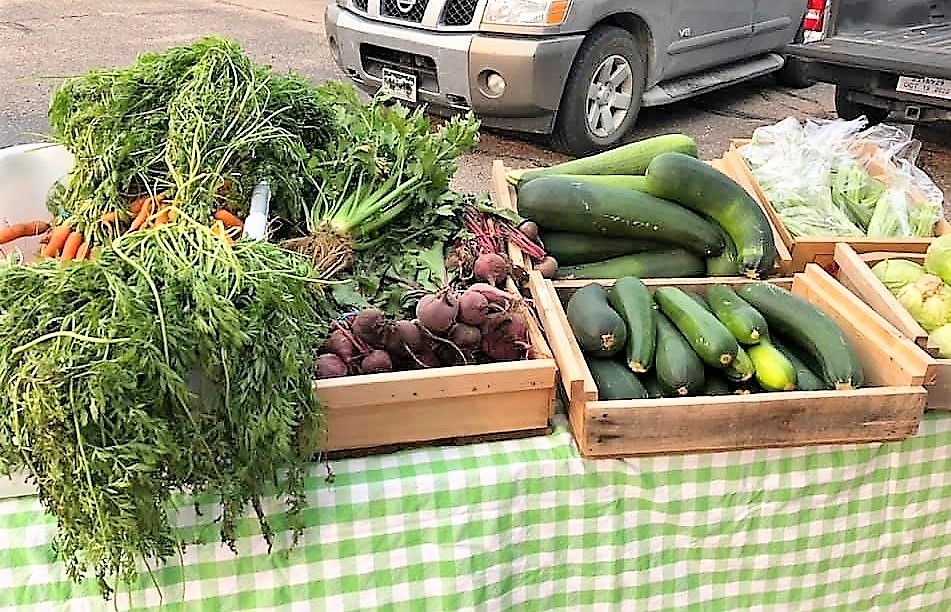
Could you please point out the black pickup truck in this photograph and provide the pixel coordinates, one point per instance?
(886, 57)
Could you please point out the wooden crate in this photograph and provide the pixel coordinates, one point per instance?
(452, 404)
(503, 195)
(798, 252)
(854, 271)
(890, 410)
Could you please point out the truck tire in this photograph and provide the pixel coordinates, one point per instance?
(602, 96)
(849, 109)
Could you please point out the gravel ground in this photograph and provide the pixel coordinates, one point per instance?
(44, 40)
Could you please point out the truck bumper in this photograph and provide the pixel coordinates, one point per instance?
(452, 68)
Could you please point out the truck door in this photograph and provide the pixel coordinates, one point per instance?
(776, 23)
(708, 33)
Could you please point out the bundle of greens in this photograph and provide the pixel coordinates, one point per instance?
(173, 363)
(200, 124)
(384, 180)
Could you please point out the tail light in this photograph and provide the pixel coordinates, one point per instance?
(815, 16)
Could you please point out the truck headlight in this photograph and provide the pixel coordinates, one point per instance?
(526, 12)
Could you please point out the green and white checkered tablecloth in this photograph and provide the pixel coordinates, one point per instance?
(527, 525)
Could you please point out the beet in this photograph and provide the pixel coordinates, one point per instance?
(340, 345)
(530, 229)
(505, 336)
(494, 294)
(438, 312)
(375, 362)
(330, 365)
(370, 326)
(428, 359)
(473, 308)
(465, 336)
(547, 267)
(491, 267)
(409, 333)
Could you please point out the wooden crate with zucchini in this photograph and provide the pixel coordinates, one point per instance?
(797, 251)
(910, 296)
(694, 365)
(648, 209)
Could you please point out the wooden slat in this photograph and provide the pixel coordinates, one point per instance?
(503, 196)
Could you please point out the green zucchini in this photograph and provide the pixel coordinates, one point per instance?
(708, 191)
(774, 372)
(713, 342)
(715, 383)
(672, 263)
(614, 381)
(652, 385)
(678, 368)
(745, 322)
(811, 330)
(631, 299)
(740, 369)
(571, 249)
(600, 331)
(632, 158)
(726, 263)
(634, 182)
(557, 203)
(806, 379)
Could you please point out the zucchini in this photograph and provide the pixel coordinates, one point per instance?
(810, 329)
(672, 263)
(745, 322)
(713, 342)
(740, 369)
(614, 381)
(715, 383)
(774, 372)
(652, 385)
(600, 331)
(631, 299)
(557, 203)
(806, 379)
(632, 158)
(706, 190)
(726, 263)
(678, 368)
(634, 182)
(571, 249)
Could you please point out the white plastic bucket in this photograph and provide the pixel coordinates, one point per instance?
(27, 173)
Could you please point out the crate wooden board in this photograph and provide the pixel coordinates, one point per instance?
(820, 250)
(889, 411)
(854, 271)
(406, 408)
(504, 196)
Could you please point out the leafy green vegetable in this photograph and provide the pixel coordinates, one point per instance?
(942, 337)
(928, 301)
(171, 364)
(810, 221)
(938, 258)
(896, 273)
(856, 193)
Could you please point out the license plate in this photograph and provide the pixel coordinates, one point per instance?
(935, 88)
(401, 84)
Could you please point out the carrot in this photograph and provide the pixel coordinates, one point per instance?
(72, 245)
(162, 217)
(22, 230)
(228, 218)
(57, 240)
(218, 229)
(138, 203)
(144, 213)
(83, 251)
(109, 217)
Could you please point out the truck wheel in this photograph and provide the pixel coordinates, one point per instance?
(602, 95)
(849, 109)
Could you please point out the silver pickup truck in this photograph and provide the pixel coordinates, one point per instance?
(579, 70)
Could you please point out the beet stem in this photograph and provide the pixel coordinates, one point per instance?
(362, 347)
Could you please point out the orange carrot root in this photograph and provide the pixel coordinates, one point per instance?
(83, 251)
(229, 219)
(57, 239)
(73, 242)
(109, 217)
(22, 230)
(144, 213)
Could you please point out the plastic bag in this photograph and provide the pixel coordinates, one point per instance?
(807, 221)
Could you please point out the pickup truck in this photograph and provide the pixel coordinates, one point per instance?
(578, 70)
(885, 58)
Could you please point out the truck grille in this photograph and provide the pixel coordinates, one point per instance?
(407, 10)
(361, 5)
(458, 12)
(375, 58)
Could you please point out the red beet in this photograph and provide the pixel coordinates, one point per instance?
(375, 362)
(494, 294)
(505, 336)
(473, 308)
(547, 267)
(340, 345)
(491, 267)
(465, 336)
(530, 229)
(330, 365)
(369, 326)
(438, 312)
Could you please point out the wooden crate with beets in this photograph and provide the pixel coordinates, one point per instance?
(854, 271)
(798, 252)
(890, 409)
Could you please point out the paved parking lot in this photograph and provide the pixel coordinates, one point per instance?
(44, 40)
